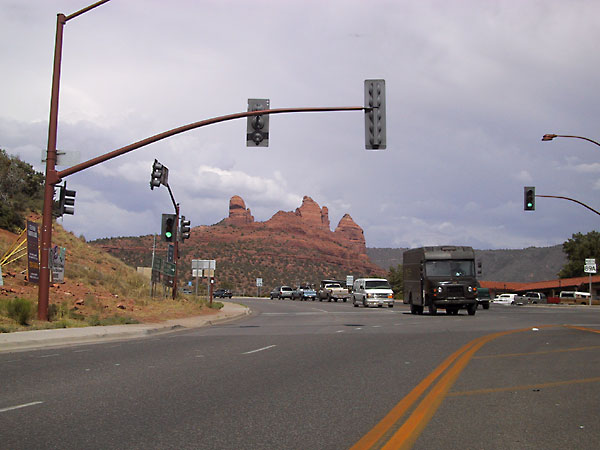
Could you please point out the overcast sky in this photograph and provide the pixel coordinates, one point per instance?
(471, 88)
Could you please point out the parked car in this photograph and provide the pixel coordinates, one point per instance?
(222, 293)
(304, 292)
(506, 299)
(281, 292)
(574, 297)
(535, 297)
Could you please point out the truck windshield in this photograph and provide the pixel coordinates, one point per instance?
(377, 284)
(450, 268)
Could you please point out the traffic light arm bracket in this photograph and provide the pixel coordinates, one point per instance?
(157, 137)
(570, 199)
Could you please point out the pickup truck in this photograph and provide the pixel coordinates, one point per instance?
(534, 297)
(332, 290)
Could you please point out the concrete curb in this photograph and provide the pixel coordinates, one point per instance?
(27, 340)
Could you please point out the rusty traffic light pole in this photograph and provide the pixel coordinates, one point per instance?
(51, 177)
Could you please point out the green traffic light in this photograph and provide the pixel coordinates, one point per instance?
(168, 234)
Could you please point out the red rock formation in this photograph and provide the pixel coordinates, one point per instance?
(351, 232)
(312, 215)
(238, 213)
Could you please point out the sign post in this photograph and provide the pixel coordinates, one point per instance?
(590, 268)
(258, 285)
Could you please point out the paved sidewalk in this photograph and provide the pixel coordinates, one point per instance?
(25, 340)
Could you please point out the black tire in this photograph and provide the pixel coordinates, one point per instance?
(432, 309)
(391, 306)
(413, 309)
(472, 309)
(486, 306)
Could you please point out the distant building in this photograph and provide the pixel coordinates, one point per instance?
(551, 288)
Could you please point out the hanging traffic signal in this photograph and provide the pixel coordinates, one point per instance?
(159, 175)
(529, 198)
(375, 129)
(257, 130)
(184, 229)
(66, 201)
(169, 227)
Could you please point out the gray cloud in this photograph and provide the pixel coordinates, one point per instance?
(471, 88)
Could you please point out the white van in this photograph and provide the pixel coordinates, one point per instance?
(574, 296)
(372, 292)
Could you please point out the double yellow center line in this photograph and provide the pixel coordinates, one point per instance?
(393, 434)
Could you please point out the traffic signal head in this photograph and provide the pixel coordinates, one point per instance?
(257, 130)
(375, 129)
(169, 227)
(529, 198)
(66, 201)
(159, 175)
(184, 229)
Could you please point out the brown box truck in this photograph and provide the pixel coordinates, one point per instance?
(440, 277)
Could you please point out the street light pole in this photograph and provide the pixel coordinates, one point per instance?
(549, 137)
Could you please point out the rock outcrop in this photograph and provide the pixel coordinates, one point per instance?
(238, 213)
(350, 231)
(313, 215)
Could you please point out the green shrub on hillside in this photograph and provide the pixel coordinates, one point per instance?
(21, 191)
(20, 310)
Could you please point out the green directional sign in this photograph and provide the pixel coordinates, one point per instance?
(169, 269)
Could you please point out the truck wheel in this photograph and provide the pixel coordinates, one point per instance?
(328, 298)
(345, 300)
(413, 309)
(391, 305)
(432, 310)
(472, 309)
(486, 305)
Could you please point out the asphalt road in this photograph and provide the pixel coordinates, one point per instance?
(311, 375)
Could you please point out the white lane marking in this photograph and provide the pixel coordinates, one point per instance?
(339, 331)
(25, 405)
(50, 356)
(81, 351)
(259, 349)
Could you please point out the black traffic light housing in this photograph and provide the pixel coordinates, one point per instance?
(529, 198)
(375, 126)
(159, 175)
(66, 201)
(184, 229)
(257, 130)
(168, 230)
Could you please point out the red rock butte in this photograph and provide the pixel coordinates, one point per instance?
(308, 219)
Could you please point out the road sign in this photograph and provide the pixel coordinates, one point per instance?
(590, 265)
(169, 269)
(259, 282)
(349, 280)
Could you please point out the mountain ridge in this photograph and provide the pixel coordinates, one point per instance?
(517, 265)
